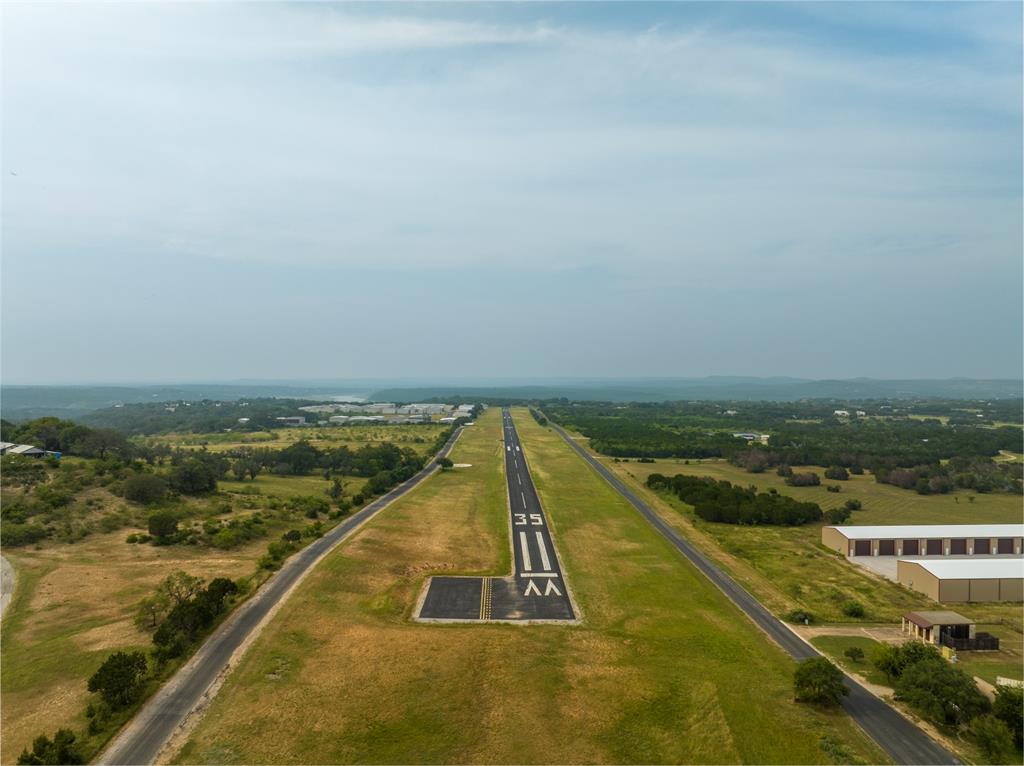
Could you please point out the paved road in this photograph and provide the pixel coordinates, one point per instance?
(6, 584)
(141, 741)
(899, 737)
(536, 590)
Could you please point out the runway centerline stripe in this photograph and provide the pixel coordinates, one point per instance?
(525, 548)
(523, 495)
(543, 552)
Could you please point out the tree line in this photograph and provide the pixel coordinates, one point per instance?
(721, 501)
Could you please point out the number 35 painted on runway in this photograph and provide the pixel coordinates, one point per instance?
(535, 519)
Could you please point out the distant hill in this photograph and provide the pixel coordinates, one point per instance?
(725, 389)
(26, 402)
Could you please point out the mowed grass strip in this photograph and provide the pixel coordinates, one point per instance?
(661, 670)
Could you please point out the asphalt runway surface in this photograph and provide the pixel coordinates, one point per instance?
(536, 590)
(898, 736)
(146, 734)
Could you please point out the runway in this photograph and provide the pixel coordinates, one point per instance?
(536, 590)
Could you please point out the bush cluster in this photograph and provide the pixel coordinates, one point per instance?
(722, 502)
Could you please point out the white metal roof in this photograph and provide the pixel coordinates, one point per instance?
(971, 567)
(922, 531)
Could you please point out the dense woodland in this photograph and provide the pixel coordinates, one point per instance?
(921, 453)
(723, 502)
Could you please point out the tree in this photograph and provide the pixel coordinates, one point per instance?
(445, 463)
(818, 680)
(193, 477)
(60, 750)
(993, 737)
(837, 473)
(119, 678)
(144, 488)
(151, 611)
(337, 491)
(1008, 707)
(180, 587)
(941, 692)
(163, 525)
(837, 515)
(855, 653)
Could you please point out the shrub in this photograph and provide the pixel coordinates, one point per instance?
(941, 692)
(854, 653)
(15, 535)
(163, 525)
(837, 473)
(144, 488)
(853, 609)
(837, 515)
(853, 504)
(784, 470)
(800, 616)
(193, 477)
(61, 749)
(818, 680)
(1009, 708)
(993, 737)
(803, 480)
(119, 679)
(833, 488)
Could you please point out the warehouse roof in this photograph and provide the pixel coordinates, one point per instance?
(972, 567)
(921, 531)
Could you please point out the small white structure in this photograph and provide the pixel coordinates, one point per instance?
(841, 413)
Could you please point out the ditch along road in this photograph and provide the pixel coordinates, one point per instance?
(142, 739)
(899, 737)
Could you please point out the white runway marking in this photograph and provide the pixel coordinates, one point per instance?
(551, 588)
(508, 448)
(538, 574)
(519, 479)
(531, 586)
(524, 498)
(527, 564)
(543, 552)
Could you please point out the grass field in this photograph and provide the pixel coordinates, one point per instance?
(419, 437)
(662, 669)
(835, 646)
(73, 605)
(787, 568)
(288, 486)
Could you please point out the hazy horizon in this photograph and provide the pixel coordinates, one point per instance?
(223, 192)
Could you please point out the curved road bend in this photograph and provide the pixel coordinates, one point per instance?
(152, 727)
(900, 738)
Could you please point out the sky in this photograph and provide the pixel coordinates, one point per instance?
(312, 190)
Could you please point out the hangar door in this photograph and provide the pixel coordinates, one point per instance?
(886, 547)
(861, 547)
(934, 548)
(911, 547)
(958, 547)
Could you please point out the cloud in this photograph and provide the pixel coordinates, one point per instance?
(443, 143)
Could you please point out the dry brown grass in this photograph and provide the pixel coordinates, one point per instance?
(73, 605)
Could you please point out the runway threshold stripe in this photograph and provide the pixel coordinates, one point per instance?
(543, 552)
(525, 548)
(538, 574)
